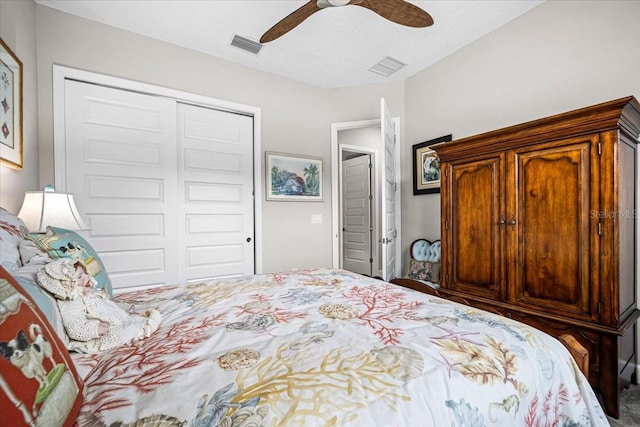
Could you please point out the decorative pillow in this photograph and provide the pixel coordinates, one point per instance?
(29, 250)
(45, 390)
(10, 237)
(61, 243)
(424, 270)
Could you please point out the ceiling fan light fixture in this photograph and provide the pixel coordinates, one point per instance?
(246, 44)
(328, 3)
(387, 66)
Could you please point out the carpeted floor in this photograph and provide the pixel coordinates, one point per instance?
(629, 408)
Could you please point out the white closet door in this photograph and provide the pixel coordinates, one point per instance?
(215, 194)
(120, 166)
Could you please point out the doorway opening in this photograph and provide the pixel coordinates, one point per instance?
(356, 215)
(381, 138)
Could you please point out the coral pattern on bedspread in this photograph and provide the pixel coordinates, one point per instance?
(327, 347)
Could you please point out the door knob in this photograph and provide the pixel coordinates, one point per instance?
(248, 239)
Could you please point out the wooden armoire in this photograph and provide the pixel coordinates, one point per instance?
(539, 224)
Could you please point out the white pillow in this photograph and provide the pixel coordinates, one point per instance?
(10, 236)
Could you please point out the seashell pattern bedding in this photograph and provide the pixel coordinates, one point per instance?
(326, 347)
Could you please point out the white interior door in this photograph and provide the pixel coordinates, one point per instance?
(357, 215)
(215, 172)
(120, 167)
(389, 187)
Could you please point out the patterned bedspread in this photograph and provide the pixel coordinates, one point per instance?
(330, 348)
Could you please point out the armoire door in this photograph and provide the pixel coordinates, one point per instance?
(166, 188)
(474, 227)
(552, 235)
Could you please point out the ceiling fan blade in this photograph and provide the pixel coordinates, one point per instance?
(398, 11)
(290, 21)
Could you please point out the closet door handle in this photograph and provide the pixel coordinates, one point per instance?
(501, 222)
(512, 223)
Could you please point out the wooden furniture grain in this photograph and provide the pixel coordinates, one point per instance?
(538, 224)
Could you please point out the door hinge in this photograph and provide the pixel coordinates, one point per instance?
(395, 232)
(370, 165)
(370, 197)
(446, 224)
(599, 308)
(446, 172)
(395, 187)
(599, 148)
(446, 279)
(371, 260)
(599, 229)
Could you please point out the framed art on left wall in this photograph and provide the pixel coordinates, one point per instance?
(10, 108)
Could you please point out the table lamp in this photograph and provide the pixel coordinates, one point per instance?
(42, 208)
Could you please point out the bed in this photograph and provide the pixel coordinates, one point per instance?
(325, 347)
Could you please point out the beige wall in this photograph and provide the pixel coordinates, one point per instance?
(560, 56)
(294, 115)
(17, 30)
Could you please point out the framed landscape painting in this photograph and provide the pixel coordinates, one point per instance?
(293, 178)
(10, 108)
(426, 167)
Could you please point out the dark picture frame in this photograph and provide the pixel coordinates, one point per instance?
(426, 166)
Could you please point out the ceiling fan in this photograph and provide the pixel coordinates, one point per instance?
(398, 11)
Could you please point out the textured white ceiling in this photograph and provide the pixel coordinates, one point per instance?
(334, 47)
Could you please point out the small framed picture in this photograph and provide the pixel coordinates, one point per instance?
(293, 178)
(10, 108)
(426, 167)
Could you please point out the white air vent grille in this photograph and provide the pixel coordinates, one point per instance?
(387, 66)
(246, 44)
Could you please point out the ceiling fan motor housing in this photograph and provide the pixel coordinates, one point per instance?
(329, 3)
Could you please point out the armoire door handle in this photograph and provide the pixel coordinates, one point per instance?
(512, 223)
(501, 221)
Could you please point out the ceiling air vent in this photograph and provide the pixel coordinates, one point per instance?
(387, 66)
(246, 44)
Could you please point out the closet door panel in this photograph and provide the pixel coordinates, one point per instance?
(215, 196)
(120, 166)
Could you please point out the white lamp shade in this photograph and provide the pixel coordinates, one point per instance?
(42, 208)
